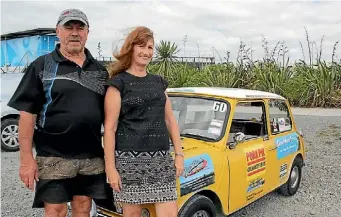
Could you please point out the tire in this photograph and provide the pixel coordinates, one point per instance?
(198, 204)
(291, 186)
(9, 134)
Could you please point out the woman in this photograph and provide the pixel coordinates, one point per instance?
(138, 123)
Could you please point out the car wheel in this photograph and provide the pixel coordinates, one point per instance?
(9, 134)
(291, 186)
(198, 206)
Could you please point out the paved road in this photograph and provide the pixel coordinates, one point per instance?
(332, 112)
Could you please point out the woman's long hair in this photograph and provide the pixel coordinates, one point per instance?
(140, 35)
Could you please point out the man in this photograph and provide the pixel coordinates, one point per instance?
(61, 100)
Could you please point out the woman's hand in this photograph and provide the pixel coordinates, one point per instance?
(114, 179)
(179, 165)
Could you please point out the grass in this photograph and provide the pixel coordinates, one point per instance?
(306, 83)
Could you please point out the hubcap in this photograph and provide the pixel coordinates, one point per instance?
(294, 177)
(201, 213)
(9, 136)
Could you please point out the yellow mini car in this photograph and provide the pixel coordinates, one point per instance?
(239, 145)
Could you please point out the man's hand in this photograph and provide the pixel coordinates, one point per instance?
(28, 171)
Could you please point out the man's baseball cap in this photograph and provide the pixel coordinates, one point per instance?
(72, 14)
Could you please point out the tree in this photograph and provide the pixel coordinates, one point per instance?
(165, 57)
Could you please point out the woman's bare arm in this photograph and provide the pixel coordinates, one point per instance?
(172, 126)
(112, 107)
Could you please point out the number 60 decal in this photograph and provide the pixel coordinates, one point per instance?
(219, 106)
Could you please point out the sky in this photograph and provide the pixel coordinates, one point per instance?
(212, 28)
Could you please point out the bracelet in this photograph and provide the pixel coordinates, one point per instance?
(180, 154)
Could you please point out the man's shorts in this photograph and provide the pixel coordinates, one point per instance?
(60, 179)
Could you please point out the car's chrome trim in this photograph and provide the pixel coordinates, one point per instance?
(99, 213)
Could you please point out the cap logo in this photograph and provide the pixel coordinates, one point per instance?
(72, 14)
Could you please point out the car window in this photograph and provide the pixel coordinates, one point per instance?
(201, 118)
(9, 83)
(249, 118)
(280, 120)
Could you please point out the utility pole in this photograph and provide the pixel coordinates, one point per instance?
(184, 43)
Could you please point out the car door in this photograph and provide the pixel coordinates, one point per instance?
(248, 159)
(283, 140)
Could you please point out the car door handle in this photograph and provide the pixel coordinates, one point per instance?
(273, 148)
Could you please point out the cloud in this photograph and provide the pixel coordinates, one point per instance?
(208, 25)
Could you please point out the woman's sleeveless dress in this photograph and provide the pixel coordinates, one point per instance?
(142, 144)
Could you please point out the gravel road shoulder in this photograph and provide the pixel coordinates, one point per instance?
(319, 195)
(320, 191)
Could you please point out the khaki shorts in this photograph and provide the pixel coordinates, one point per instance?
(61, 168)
(61, 179)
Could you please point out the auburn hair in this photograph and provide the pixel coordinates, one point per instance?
(140, 36)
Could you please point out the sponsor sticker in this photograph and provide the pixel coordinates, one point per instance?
(219, 106)
(215, 127)
(286, 145)
(283, 124)
(283, 170)
(253, 195)
(198, 173)
(255, 184)
(255, 160)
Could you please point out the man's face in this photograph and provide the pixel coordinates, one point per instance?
(73, 36)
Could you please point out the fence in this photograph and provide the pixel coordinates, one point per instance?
(196, 61)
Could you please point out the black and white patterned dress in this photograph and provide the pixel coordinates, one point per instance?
(142, 145)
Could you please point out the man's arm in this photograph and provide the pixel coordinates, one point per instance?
(28, 99)
(28, 167)
(26, 130)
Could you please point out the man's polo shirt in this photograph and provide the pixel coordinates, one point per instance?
(69, 103)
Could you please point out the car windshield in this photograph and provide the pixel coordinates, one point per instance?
(200, 118)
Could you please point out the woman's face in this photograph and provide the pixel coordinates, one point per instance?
(142, 54)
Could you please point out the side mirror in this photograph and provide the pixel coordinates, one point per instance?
(237, 138)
